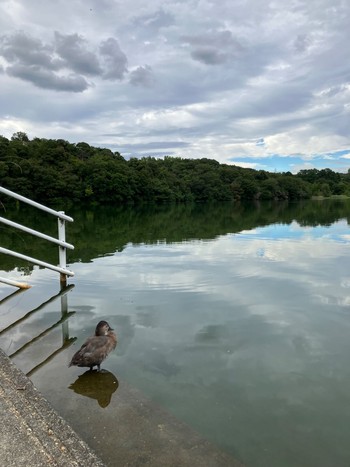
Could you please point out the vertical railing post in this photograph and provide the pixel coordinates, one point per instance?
(64, 312)
(62, 250)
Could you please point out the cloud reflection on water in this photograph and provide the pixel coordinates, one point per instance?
(244, 336)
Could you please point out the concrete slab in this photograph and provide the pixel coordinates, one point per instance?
(31, 432)
(146, 435)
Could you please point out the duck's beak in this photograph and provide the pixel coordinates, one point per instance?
(110, 329)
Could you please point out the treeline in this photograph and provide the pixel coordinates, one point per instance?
(56, 170)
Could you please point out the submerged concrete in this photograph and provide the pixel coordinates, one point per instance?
(32, 433)
(147, 435)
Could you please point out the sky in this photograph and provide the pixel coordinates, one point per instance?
(256, 83)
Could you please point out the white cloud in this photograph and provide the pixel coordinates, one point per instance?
(217, 77)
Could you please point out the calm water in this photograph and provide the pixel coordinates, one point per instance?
(236, 319)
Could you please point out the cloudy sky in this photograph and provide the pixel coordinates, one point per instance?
(257, 83)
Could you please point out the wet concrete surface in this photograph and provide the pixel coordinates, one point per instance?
(32, 433)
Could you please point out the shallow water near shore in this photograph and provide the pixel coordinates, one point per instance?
(234, 318)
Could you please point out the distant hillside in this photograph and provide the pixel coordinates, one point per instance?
(57, 171)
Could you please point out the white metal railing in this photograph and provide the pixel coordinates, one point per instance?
(61, 241)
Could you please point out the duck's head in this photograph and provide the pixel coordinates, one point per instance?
(102, 328)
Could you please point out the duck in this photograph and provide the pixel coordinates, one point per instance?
(96, 348)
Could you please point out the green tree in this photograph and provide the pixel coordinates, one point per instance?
(20, 136)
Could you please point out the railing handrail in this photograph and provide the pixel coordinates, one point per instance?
(65, 271)
(59, 214)
(36, 233)
(61, 241)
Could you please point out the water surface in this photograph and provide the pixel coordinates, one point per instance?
(234, 318)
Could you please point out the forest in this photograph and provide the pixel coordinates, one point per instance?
(56, 171)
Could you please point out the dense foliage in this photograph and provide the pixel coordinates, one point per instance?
(56, 170)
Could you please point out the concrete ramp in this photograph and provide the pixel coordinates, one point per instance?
(32, 433)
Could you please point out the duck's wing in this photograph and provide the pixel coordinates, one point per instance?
(94, 350)
(93, 344)
(86, 350)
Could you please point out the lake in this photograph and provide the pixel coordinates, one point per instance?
(234, 318)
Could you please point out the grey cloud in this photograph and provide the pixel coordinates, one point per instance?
(220, 39)
(64, 63)
(32, 60)
(102, 5)
(115, 59)
(250, 71)
(72, 48)
(285, 98)
(24, 49)
(153, 145)
(154, 21)
(301, 43)
(47, 79)
(209, 55)
(213, 48)
(142, 76)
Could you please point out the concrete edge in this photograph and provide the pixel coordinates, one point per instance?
(25, 410)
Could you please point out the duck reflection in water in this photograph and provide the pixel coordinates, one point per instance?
(98, 385)
(96, 348)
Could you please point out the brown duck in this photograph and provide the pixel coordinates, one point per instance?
(96, 348)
